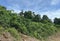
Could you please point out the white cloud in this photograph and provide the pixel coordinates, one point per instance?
(54, 2)
(52, 14)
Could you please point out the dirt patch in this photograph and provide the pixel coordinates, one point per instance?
(55, 37)
(28, 38)
(6, 37)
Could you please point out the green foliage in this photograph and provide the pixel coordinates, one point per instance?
(2, 8)
(13, 32)
(1, 29)
(40, 30)
(28, 14)
(27, 23)
(57, 21)
(45, 19)
(37, 18)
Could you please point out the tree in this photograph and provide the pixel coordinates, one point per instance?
(37, 18)
(57, 21)
(2, 8)
(45, 19)
(28, 14)
(4, 16)
(21, 13)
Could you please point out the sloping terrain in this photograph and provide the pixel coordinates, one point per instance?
(55, 37)
(6, 37)
(28, 38)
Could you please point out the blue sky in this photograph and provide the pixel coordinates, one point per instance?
(43, 7)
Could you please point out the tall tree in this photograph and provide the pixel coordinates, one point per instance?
(37, 18)
(57, 21)
(21, 13)
(45, 19)
(28, 14)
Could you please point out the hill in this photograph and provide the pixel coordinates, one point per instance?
(28, 24)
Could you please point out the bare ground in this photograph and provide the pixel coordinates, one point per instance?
(55, 37)
(28, 38)
(8, 37)
(5, 36)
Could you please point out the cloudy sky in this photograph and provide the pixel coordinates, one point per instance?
(43, 7)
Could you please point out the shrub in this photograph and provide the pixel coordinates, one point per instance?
(40, 30)
(13, 32)
(1, 29)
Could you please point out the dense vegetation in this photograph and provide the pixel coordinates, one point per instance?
(28, 23)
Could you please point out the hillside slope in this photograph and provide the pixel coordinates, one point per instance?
(7, 37)
(28, 38)
(55, 37)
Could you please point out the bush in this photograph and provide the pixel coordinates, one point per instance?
(13, 32)
(1, 29)
(40, 30)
